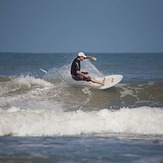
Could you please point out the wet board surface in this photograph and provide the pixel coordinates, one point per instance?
(110, 81)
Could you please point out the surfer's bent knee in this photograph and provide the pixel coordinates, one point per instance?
(81, 78)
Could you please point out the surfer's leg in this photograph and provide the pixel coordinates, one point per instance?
(88, 79)
(98, 82)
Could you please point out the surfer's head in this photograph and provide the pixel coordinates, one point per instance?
(81, 55)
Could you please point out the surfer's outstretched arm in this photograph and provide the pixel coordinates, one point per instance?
(90, 57)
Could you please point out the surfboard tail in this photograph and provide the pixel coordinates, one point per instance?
(43, 70)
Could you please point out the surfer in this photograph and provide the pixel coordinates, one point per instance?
(78, 75)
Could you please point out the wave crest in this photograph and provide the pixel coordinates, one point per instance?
(143, 120)
(23, 83)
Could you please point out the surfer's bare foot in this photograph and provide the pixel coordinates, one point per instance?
(103, 82)
(98, 82)
(112, 80)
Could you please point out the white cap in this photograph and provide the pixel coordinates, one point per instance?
(81, 54)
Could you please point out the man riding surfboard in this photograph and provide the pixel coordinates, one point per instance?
(77, 74)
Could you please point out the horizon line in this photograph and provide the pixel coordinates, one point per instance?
(78, 51)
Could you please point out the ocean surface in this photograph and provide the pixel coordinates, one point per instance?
(48, 117)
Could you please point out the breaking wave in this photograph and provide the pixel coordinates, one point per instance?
(56, 106)
(18, 122)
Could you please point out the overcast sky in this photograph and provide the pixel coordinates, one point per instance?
(81, 25)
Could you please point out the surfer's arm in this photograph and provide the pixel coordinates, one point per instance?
(80, 73)
(90, 57)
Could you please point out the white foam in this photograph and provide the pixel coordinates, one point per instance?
(30, 81)
(23, 82)
(143, 120)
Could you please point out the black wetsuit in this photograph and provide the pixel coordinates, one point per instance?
(76, 67)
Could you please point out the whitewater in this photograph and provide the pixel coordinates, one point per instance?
(142, 121)
(36, 112)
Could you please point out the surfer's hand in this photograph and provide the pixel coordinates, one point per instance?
(87, 76)
(94, 59)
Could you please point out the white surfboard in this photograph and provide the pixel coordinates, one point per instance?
(110, 81)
